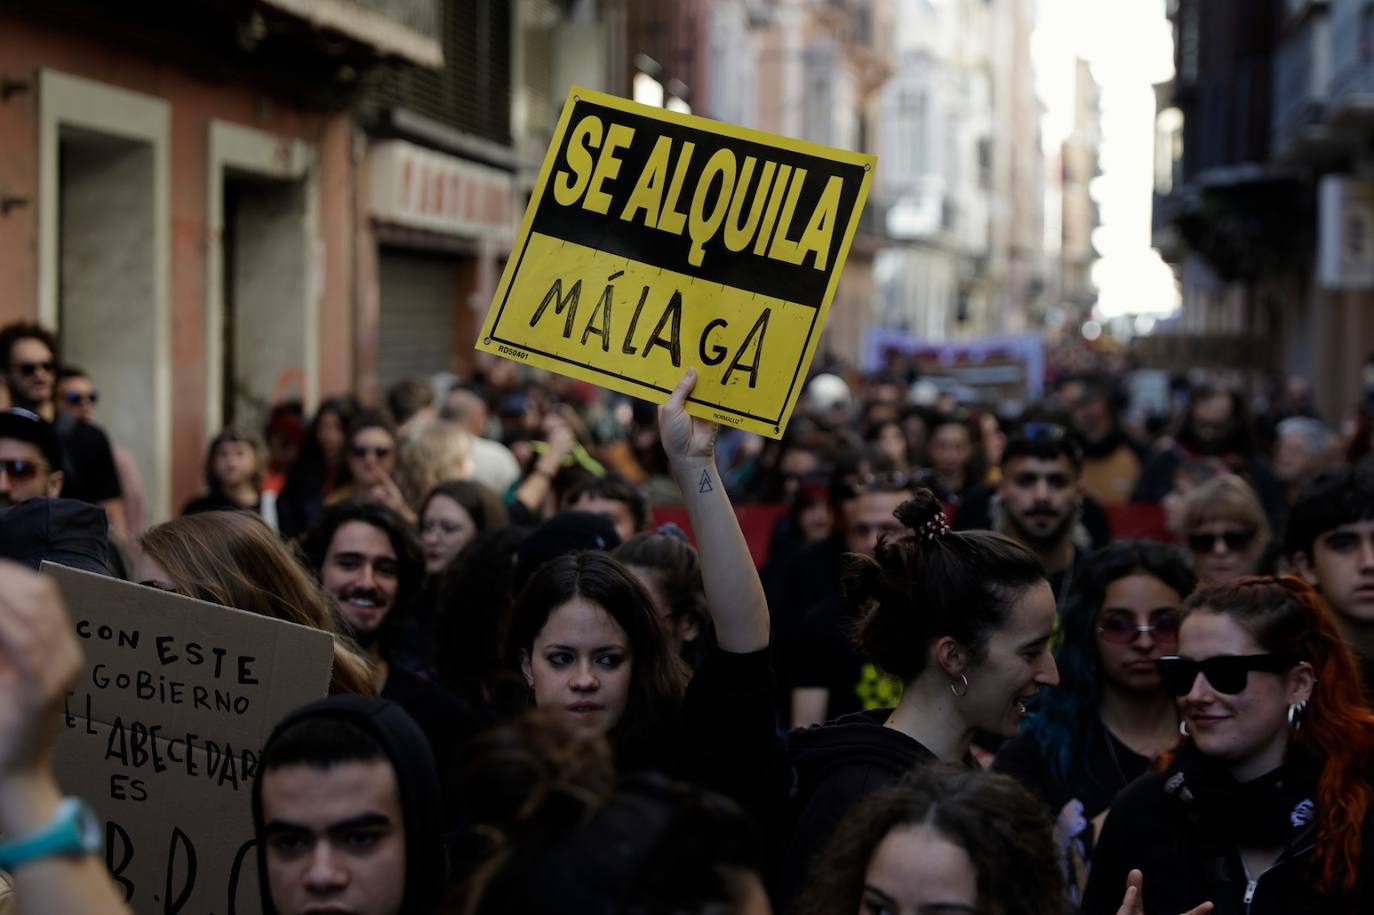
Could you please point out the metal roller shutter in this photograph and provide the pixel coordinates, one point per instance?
(419, 293)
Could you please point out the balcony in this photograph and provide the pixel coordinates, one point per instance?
(403, 29)
(1302, 69)
(1352, 63)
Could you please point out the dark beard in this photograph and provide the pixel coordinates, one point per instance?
(1057, 535)
(365, 640)
(19, 399)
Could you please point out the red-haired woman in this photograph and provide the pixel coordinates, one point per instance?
(1266, 808)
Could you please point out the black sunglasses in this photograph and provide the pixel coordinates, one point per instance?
(76, 398)
(20, 469)
(1226, 673)
(1235, 540)
(362, 451)
(1123, 631)
(32, 368)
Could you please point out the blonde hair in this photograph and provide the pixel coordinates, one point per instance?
(1225, 498)
(433, 452)
(234, 559)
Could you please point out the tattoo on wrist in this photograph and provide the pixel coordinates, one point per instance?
(705, 485)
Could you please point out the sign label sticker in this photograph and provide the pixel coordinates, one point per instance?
(655, 241)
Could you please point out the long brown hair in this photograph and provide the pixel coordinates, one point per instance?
(1288, 616)
(1002, 828)
(234, 559)
(658, 678)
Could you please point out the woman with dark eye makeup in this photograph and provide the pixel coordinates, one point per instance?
(1265, 808)
(591, 646)
(1109, 718)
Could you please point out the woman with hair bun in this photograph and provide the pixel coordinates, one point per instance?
(964, 620)
(1266, 806)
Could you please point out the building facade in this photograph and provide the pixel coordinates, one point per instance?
(1079, 216)
(1264, 203)
(177, 204)
(438, 199)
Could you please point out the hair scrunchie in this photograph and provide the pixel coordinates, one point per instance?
(935, 528)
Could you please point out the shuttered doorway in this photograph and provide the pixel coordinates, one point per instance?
(419, 297)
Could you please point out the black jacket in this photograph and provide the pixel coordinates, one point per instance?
(1104, 767)
(411, 759)
(835, 766)
(810, 577)
(725, 736)
(1155, 826)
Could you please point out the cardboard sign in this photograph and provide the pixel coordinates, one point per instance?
(656, 241)
(163, 730)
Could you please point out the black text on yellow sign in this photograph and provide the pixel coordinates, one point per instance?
(655, 241)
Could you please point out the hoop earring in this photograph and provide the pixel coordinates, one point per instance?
(1183, 728)
(1295, 713)
(956, 692)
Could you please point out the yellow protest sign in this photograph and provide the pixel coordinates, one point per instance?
(656, 240)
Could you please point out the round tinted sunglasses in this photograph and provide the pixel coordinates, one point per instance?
(1227, 674)
(1123, 631)
(76, 398)
(1235, 540)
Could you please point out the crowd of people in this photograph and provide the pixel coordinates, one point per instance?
(1063, 658)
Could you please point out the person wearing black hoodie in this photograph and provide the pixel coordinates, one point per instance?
(63, 531)
(587, 640)
(346, 812)
(964, 620)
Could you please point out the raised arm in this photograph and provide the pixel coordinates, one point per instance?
(39, 660)
(734, 593)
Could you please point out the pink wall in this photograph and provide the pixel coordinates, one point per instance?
(24, 48)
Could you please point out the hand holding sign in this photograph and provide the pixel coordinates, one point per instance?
(734, 594)
(39, 660)
(654, 240)
(688, 441)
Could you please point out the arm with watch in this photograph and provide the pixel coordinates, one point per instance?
(49, 845)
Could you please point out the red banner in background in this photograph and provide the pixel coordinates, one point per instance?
(757, 522)
(1137, 521)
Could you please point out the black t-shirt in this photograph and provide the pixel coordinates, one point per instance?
(811, 576)
(449, 723)
(88, 462)
(1105, 766)
(825, 656)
